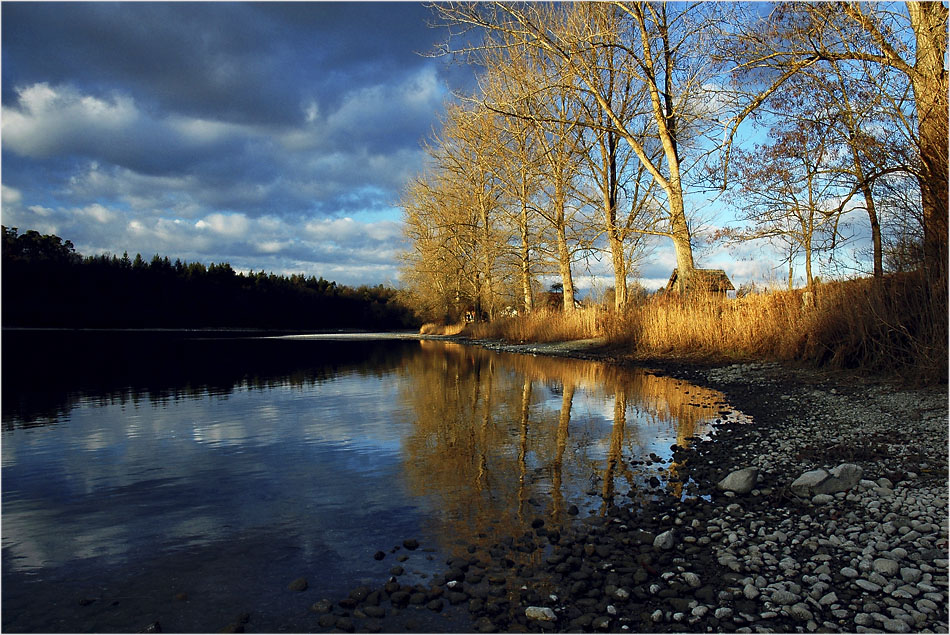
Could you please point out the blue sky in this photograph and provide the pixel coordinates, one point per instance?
(274, 136)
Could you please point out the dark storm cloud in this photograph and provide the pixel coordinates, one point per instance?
(242, 62)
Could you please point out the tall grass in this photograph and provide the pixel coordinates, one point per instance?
(895, 326)
(543, 325)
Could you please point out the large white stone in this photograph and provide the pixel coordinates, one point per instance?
(741, 481)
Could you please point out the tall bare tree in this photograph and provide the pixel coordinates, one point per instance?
(665, 50)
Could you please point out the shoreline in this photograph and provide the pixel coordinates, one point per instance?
(872, 557)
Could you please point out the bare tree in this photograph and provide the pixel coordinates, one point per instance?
(909, 38)
(665, 54)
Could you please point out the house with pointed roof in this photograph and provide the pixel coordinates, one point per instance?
(703, 281)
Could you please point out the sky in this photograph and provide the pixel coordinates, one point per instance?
(273, 136)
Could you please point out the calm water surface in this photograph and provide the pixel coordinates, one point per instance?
(186, 479)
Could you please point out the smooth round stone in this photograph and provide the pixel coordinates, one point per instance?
(887, 567)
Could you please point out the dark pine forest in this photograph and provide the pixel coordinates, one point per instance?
(46, 283)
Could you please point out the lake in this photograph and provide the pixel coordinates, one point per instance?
(186, 478)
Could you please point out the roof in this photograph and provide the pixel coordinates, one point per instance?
(711, 280)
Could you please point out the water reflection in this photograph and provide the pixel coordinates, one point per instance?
(498, 440)
(168, 463)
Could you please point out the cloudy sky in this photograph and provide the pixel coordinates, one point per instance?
(273, 136)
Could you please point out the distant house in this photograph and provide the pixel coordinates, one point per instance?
(705, 281)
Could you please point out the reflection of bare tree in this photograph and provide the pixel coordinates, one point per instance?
(563, 425)
(523, 449)
(490, 447)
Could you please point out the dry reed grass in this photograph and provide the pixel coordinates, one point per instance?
(543, 325)
(431, 328)
(895, 326)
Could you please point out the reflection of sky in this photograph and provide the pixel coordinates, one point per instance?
(312, 477)
(191, 470)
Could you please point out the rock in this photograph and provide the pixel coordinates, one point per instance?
(665, 541)
(895, 626)
(298, 585)
(540, 613)
(867, 585)
(740, 481)
(322, 606)
(828, 599)
(822, 499)
(784, 598)
(723, 613)
(379, 555)
(821, 481)
(887, 567)
(808, 482)
(692, 579)
(849, 572)
(411, 544)
(910, 575)
(800, 612)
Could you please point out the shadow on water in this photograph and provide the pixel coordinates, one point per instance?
(47, 372)
(187, 478)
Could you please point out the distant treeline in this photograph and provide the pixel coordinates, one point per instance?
(46, 283)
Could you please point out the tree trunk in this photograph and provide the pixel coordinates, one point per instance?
(929, 81)
(564, 266)
(563, 252)
(527, 294)
(620, 270)
(679, 232)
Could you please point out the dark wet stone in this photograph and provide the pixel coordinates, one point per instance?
(322, 606)
(345, 624)
(475, 605)
(435, 605)
(402, 557)
(233, 627)
(374, 611)
(411, 544)
(373, 626)
(391, 587)
(154, 627)
(399, 598)
(485, 625)
(298, 585)
(537, 522)
(397, 570)
(347, 603)
(379, 555)
(360, 593)
(572, 510)
(326, 620)
(88, 601)
(456, 597)
(417, 598)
